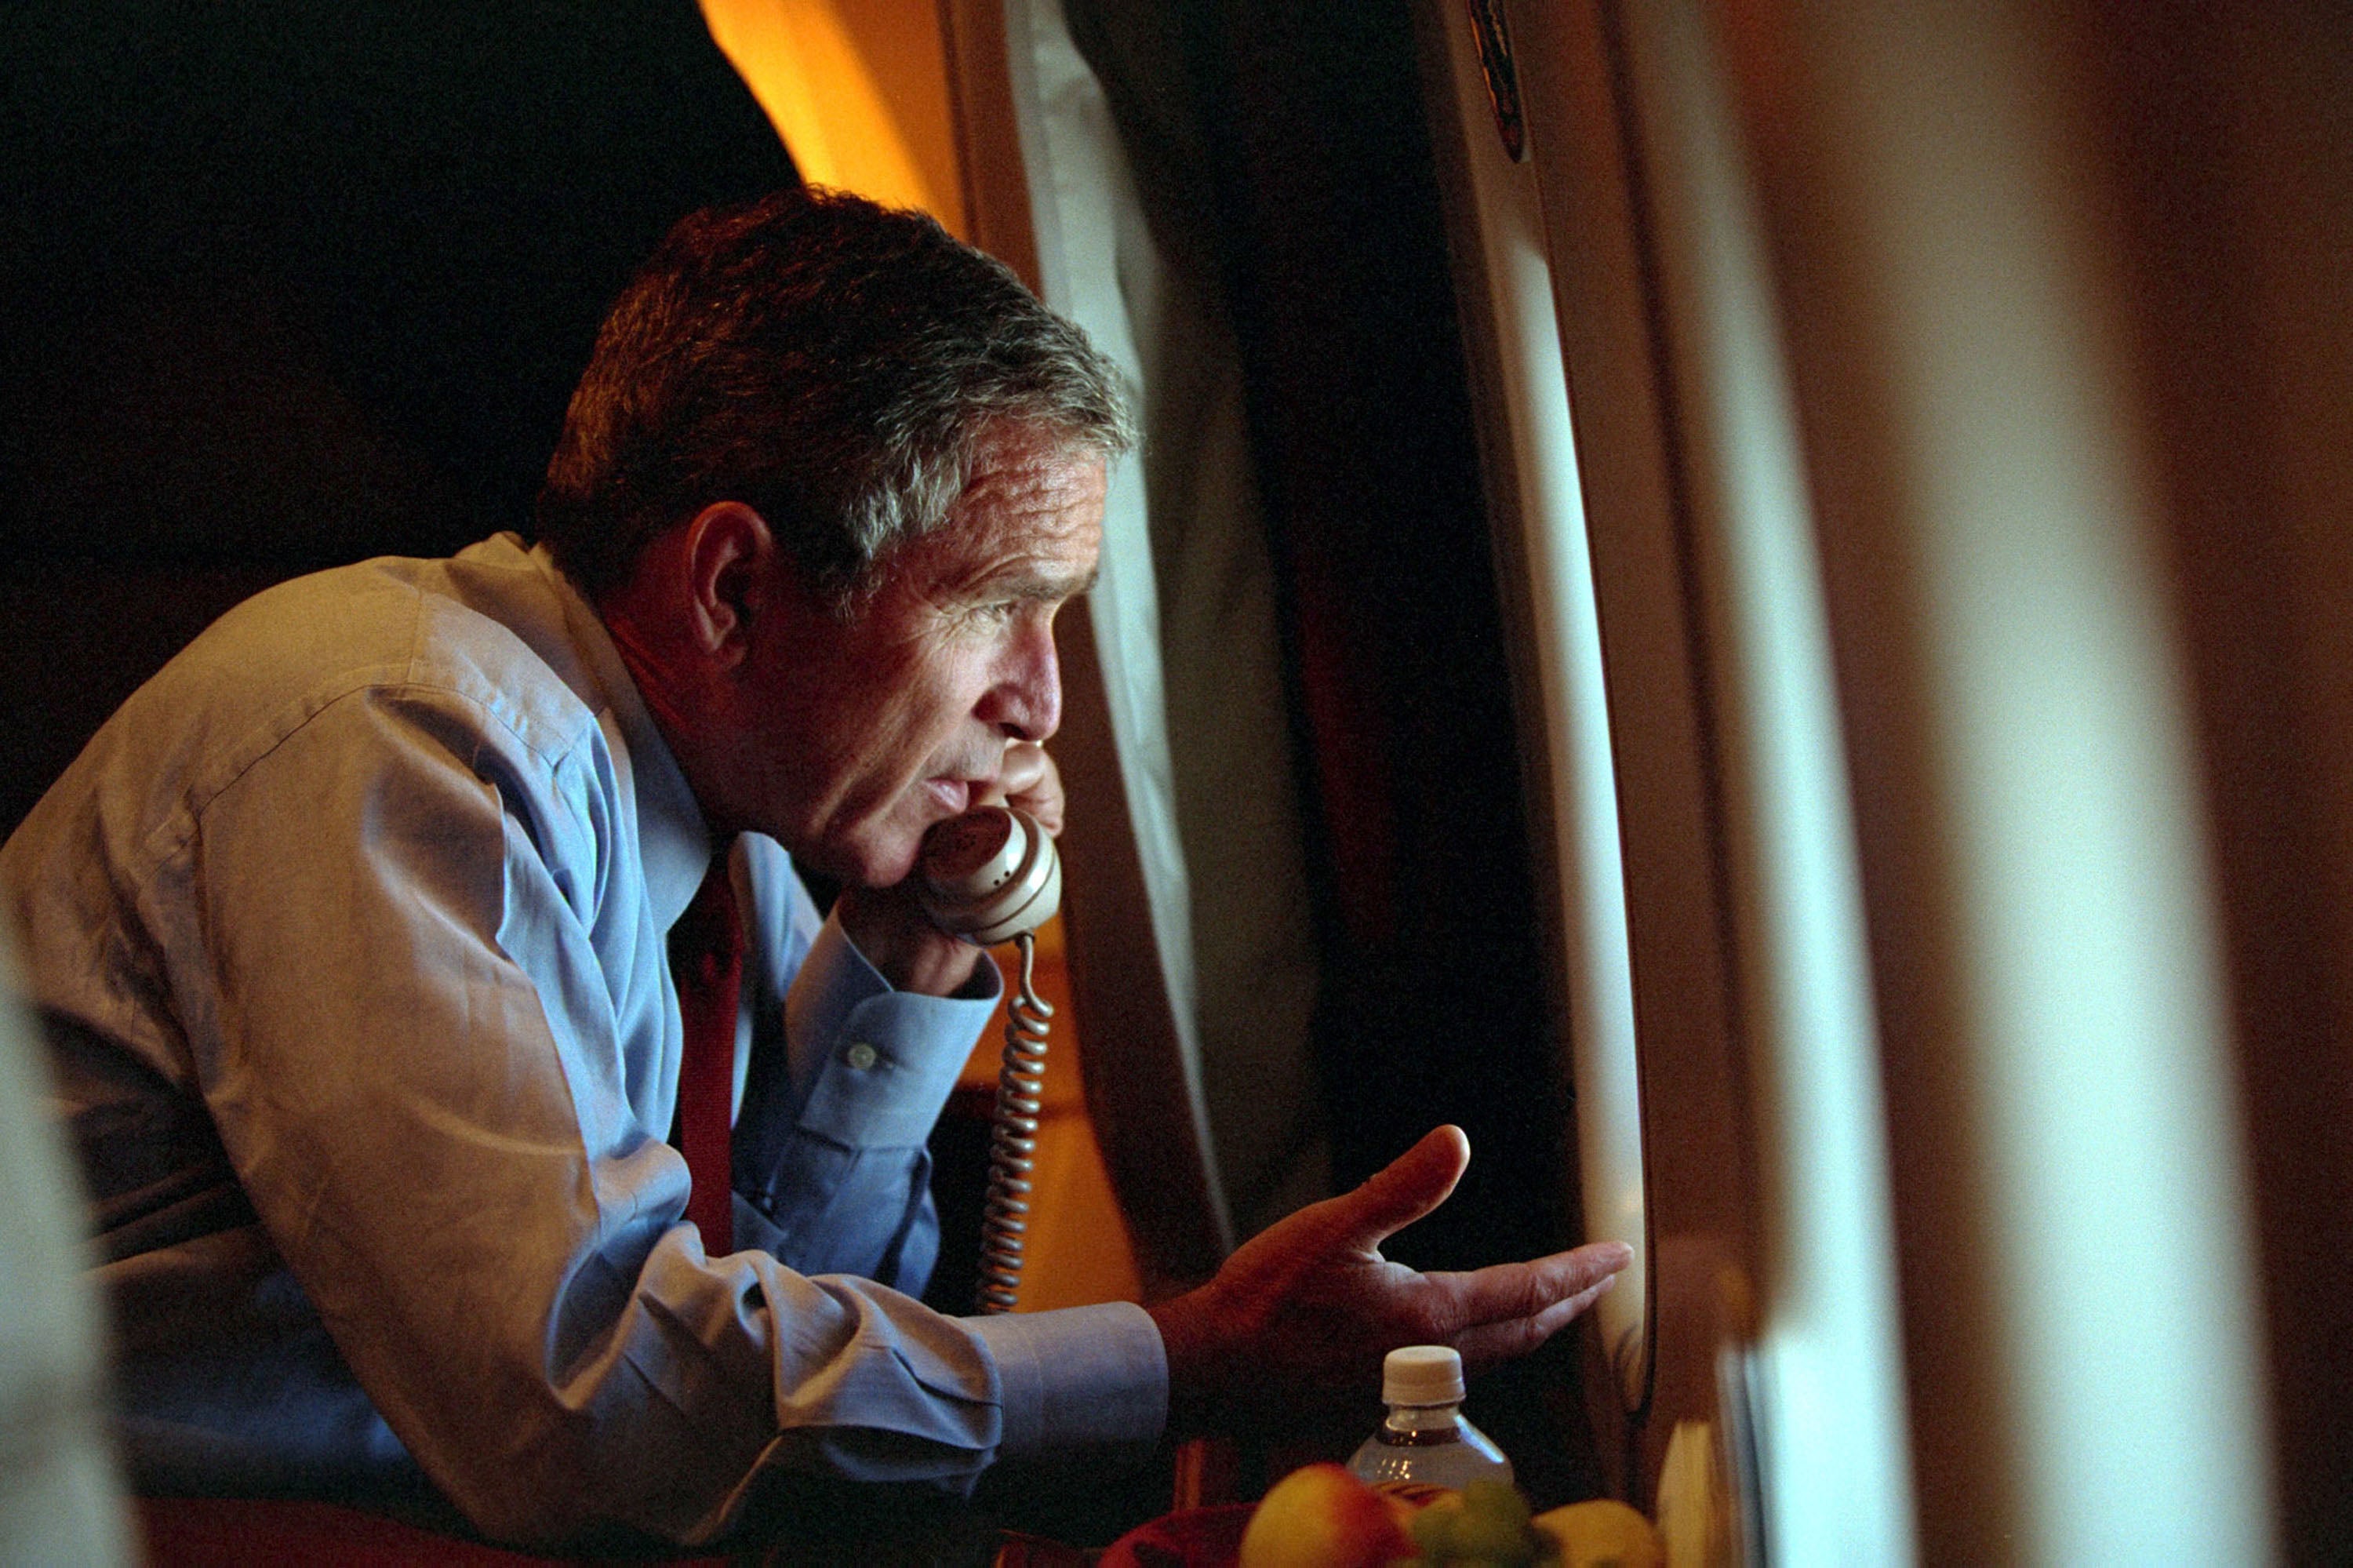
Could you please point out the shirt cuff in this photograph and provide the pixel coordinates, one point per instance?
(1077, 1377)
(872, 1065)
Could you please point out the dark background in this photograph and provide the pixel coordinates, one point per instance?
(285, 285)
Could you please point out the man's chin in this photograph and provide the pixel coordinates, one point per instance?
(875, 851)
(883, 862)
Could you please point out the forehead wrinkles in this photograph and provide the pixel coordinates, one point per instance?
(1030, 522)
(1031, 481)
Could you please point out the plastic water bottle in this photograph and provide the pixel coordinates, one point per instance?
(1424, 1438)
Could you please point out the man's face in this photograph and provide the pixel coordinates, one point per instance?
(865, 734)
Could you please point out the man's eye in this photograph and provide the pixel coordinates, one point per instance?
(988, 616)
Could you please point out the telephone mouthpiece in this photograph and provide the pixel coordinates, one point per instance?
(989, 875)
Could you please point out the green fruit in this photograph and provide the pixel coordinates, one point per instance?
(1433, 1527)
(1491, 1525)
(1486, 1536)
(1495, 1499)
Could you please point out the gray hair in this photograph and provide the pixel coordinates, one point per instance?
(834, 364)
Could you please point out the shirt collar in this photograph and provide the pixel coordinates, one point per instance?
(673, 841)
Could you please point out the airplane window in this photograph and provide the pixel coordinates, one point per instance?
(1531, 458)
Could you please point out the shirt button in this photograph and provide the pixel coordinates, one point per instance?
(861, 1056)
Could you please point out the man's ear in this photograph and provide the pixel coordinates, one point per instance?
(731, 558)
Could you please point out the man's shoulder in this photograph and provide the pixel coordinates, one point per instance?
(479, 646)
(487, 629)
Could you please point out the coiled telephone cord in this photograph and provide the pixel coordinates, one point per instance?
(1013, 1139)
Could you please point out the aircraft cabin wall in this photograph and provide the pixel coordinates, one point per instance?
(1944, 384)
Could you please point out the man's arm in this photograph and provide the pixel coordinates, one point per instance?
(433, 1026)
(423, 1035)
(850, 1070)
(847, 1077)
(1302, 1313)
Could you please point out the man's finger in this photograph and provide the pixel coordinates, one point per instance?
(1517, 1292)
(1024, 765)
(1493, 1343)
(1028, 779)
(1404, 1191)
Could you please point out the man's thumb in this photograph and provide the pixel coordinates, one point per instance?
(1407, 1187)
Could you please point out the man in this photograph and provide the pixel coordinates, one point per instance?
(350, 929)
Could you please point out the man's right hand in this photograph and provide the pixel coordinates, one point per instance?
(891, 931)
(1305, 1311)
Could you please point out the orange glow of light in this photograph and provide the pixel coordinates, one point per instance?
(857, 90)
(1079, 1250)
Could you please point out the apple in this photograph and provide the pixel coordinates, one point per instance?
(1320, 1516)
(1602, 1531)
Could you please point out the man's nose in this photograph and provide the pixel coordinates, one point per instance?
(1027, 703)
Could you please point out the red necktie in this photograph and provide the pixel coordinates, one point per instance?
(706, 959)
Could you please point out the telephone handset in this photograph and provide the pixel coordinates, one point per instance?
(988, 876)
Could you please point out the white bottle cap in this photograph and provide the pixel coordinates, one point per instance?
(1421, 1374)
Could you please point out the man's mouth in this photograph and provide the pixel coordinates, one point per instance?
(958, 795)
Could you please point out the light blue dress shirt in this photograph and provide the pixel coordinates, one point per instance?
(350, 926)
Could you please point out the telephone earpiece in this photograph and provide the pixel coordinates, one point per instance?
(989, 875)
